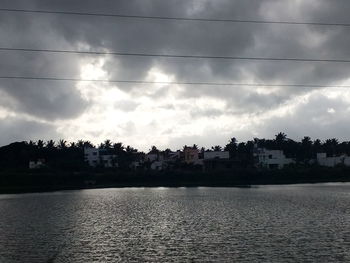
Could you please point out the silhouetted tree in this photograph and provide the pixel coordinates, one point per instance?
(280, 138)
(231, 147)
(62, 144)
(107, 144)
(330, 146)
(40, 144)
(87, 144)
(217, 148)
(118, 148)
(305, 153)
(50, 144)
(154, 149)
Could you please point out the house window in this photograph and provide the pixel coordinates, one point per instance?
(270, 156)
(94, 153)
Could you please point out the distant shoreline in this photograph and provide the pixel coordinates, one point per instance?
(50, 181)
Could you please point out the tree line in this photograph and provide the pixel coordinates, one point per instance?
(70, 155)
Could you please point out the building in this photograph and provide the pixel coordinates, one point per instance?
(271, 159)
(92, 156)
(40, 163)
(216, 155)
(162, 160)
(191, 155)
(158, 165)
(108, 160)
(152, 157)
(172, 156)
(217, 160)
(100, 157)
(332, 161)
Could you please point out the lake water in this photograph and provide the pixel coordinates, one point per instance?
(296, 223)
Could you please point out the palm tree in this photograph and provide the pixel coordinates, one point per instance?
(40, 144)
(31, 143)
(280, 137)
(306, 149)
(217, 148)
(50, 144)
(80, 144)
(316, 147)
(87, 144)
(154, 149)
(62, 144)
(330, 146)
(130, 149)
(107, 144)
(118, 147)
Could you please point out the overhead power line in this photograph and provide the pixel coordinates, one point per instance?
(199, 19)
(172, 82)
(174, 55)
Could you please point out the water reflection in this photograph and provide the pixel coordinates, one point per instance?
(269, 224)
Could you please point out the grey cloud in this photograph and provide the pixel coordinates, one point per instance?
(43, 99)
(126, 105)
(205, 113)
(167, 107)
(62, 100)
(207, 140)
(17, 129)
(314, 118)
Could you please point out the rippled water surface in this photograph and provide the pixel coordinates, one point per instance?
(305, 223)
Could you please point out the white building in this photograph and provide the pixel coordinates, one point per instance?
(109, 160)
(92, 156)
(40, 163)
(95, 157)
(323, 160)
(216, 155)
(271, 158)
(158, 165)
(162, 160)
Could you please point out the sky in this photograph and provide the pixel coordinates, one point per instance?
(173, 115)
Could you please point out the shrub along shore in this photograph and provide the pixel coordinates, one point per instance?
(22, 181)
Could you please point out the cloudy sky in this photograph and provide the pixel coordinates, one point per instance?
(172, 115)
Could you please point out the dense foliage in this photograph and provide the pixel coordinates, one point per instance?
(70, 156)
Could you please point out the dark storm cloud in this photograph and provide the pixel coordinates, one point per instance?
(62, 100)
(44, 99)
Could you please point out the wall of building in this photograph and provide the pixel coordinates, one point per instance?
(92, 156)
(217, 155)
(332, 161)
(272, 158)
(191, 155)
(95, 157)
